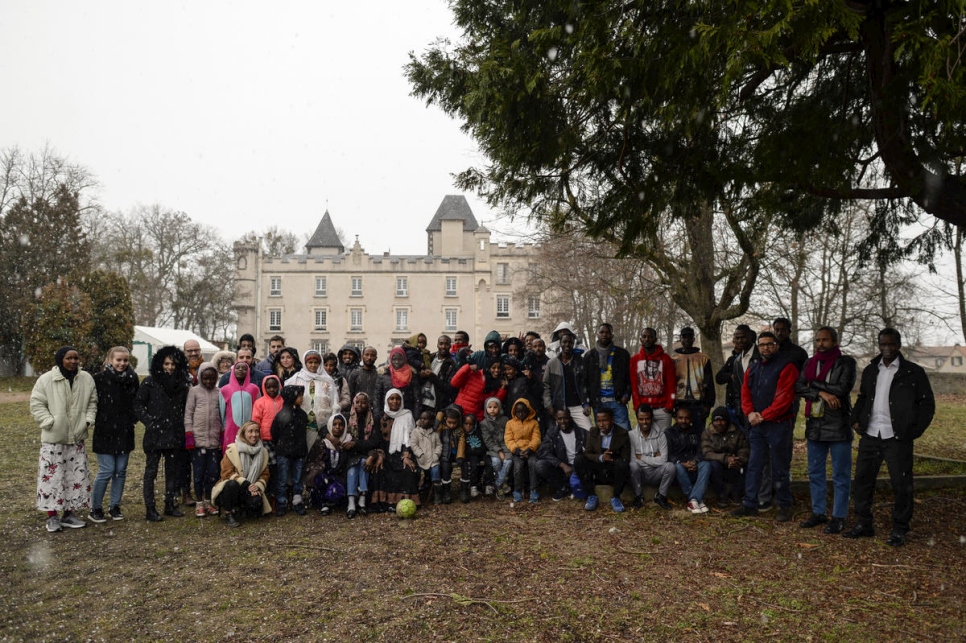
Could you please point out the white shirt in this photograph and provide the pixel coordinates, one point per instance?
(746, 359)
(570, 441)
(880, 422)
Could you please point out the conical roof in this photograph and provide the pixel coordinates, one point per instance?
(453, 208)
(325, 235)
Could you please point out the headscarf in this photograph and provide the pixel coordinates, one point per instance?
(59, 360)
(402, 423)
(249, 456)
(403, 376)
(365, 431)
(334, 453)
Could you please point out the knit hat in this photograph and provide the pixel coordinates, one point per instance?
(720, 412)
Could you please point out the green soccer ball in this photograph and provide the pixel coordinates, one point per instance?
(406, 508)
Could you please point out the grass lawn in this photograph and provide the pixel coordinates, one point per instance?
(482, 571)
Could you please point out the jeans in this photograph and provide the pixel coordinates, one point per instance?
(771, 438)
(818, 453)
(694, 490)
(501, 468)
(357, 479)
(111, 467)
(288, 468)
(898, 458)
(432, 473)
(621, 418)
(207, 464)
(519, 464)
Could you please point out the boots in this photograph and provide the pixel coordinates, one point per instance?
(171, 509)
(447, 492)
(187, 499)
(464, 491)
(437, 493)
(151, 514)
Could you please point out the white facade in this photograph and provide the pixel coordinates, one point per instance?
(329, 297)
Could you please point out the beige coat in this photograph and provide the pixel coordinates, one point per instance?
(231, 469)
(64, 412)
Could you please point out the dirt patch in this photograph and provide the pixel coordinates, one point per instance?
(14, 396)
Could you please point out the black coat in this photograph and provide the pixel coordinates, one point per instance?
(681, 446)
(833, 425)
(114, 426)
(288, 432)
(733, 375)
(552, 447)
(911, 402)
(160, 408)
(620, 369)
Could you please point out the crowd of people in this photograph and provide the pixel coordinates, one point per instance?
(244, 438)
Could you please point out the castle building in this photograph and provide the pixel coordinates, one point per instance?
(330, 296)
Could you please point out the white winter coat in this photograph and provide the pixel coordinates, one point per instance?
(64, 412)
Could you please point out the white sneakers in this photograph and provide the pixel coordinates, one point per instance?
(696, 507)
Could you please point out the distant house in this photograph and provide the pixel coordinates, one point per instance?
(148, 339)
(938, 359)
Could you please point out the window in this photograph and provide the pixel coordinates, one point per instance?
(533, 307)
(358, 344)
(502, 273)
(355, 319)
(957, 361)
(320, 287)
(275, 287)
(275, 319)
(402, 286)
(503, 306)
(321, 345)
(402, 319)
(482, 244)
(450, 314)
(451, 286)
(321, 318)
(356, 287)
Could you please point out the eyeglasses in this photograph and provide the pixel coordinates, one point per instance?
(767, 344)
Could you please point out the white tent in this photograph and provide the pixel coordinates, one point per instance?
(148, 339)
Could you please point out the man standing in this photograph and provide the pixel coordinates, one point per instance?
(653, 380)
(244, 355)
(894, 407)
(607, 368)
(605, 460)
(797, 355)
(192, 350)
(732, 374)
(365, 378)
(436, 393)
(267, 365)
(695, 390)
(826, 384)
(766, 398)
(564, 384)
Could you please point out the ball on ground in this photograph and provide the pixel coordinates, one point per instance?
(406, 508)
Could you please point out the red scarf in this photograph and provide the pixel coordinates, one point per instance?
(817, 368)
(402, 377)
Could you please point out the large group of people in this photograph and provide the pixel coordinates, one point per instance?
(244, 438)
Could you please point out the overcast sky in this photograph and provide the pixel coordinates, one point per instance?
(242, 114)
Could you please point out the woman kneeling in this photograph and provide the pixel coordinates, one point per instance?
(244, 476)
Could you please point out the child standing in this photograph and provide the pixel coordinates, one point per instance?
(263, 412)
(451, 437)
(202, 421)
(427, 448)
(493, 427)
(237, 400)
(64, 403)
(522, 437)
(473, 461)
(117, 386)
(288, 434)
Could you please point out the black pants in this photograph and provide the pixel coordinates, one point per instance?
(473, 468)
(898, 459)
(445, 460)
(720, 475)
(173, 463)
(594, 472)
(553, 474)
(235, 499)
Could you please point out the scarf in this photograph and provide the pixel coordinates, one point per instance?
(250, 458)
(59, 360)
(402, 424)
(817, 368)
(335, 453)
(402, 377)
(364, 431)
(603, 354)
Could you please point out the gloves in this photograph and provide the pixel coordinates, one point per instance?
(189, 440)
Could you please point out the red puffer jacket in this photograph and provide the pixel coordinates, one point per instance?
(470, 385)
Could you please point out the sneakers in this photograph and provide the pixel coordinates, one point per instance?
(704, 507)
(517, 496)
(813, 520)
(200, 510)
(488, 491)
(474, 492)
(97, 515)
(743, 512)
(500, 494)
(53, 524)
(694, 506)
(638, 502)
(115, 513)
(325, 510)
(534, 496)
(299, 509)
(784, 514)
(72, 521)
(232, 521)
(560, 494)
(766, 506)
(661, 501)
(617, 505)
(592, 503)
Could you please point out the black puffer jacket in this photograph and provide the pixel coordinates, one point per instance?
(160, 402)
(911, 402)
(833, 425)
(290, 425)
(114, 426)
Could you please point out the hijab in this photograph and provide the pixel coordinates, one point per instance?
(357, 432)
(402, 423)
(334, 453)
(59, 360)
(403, 376)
